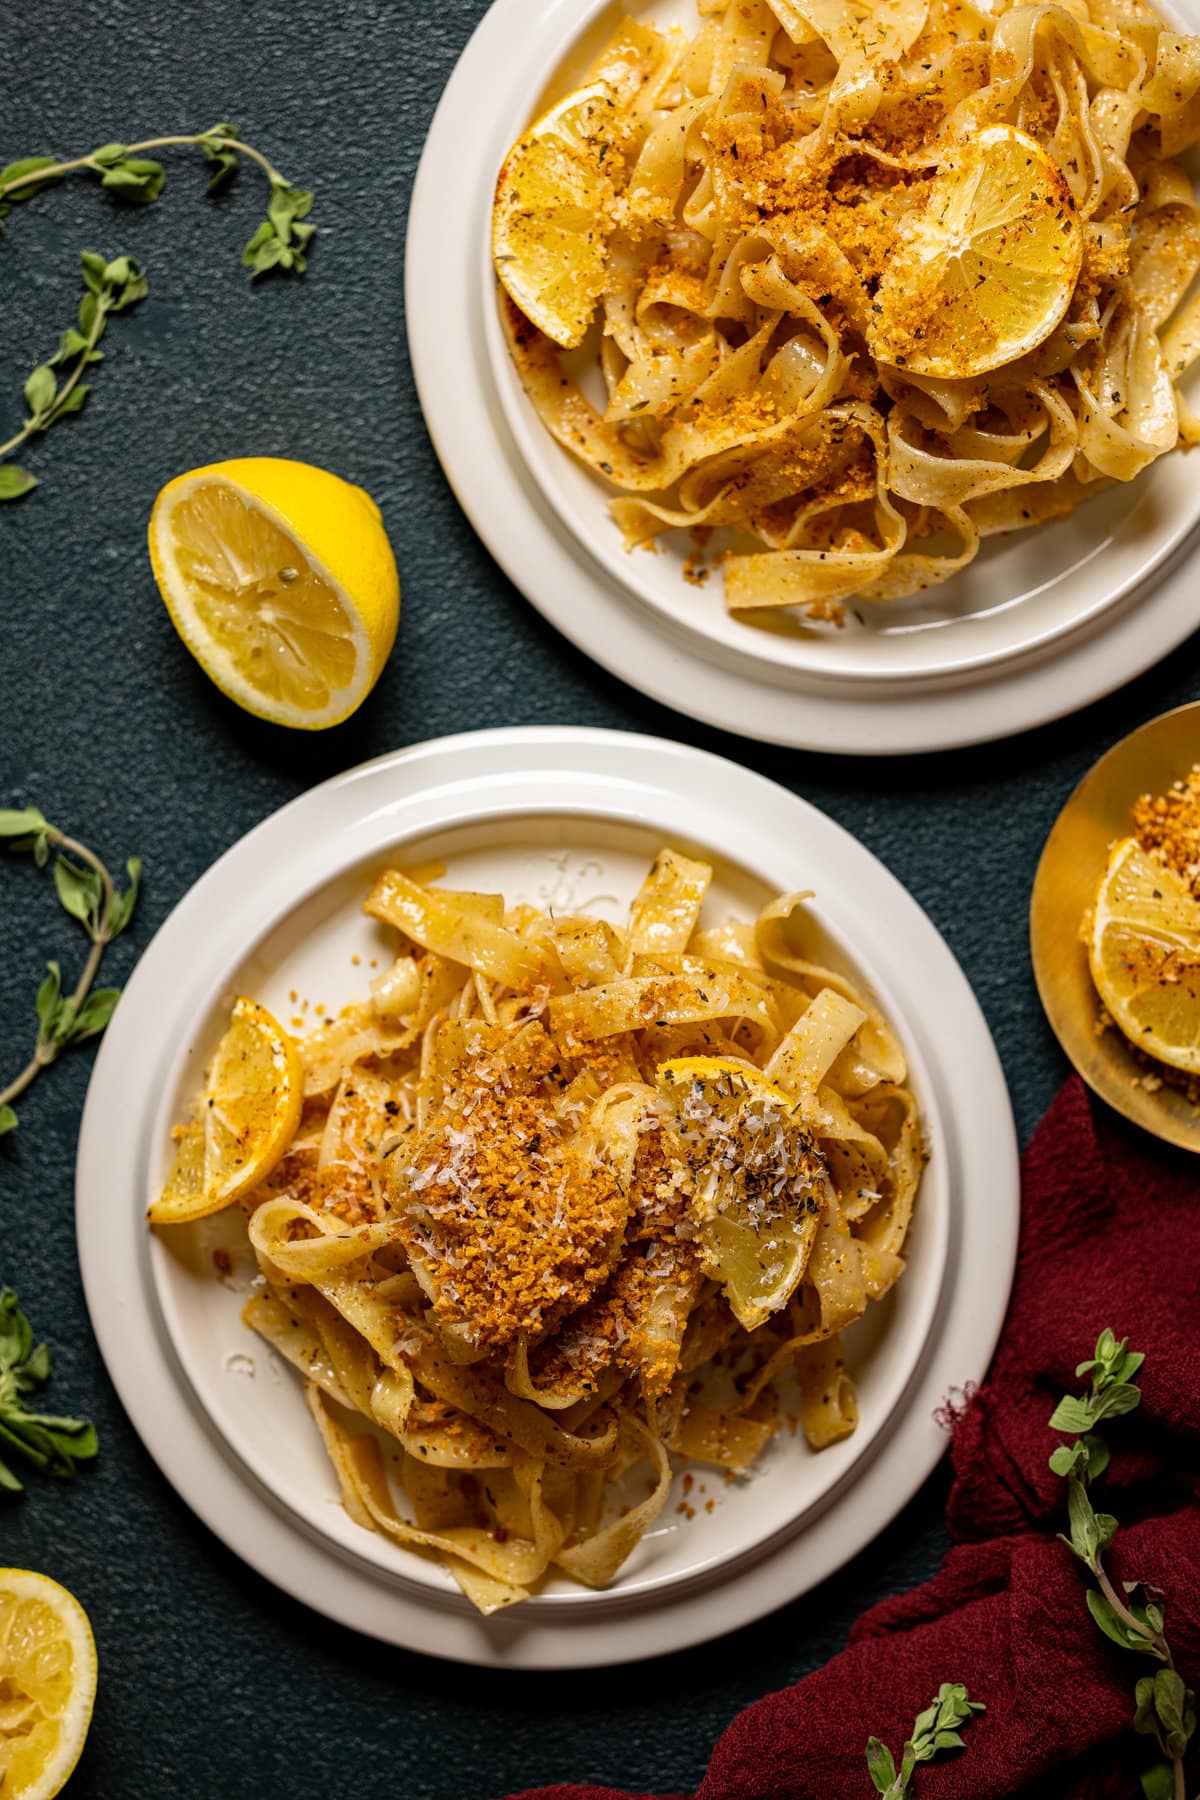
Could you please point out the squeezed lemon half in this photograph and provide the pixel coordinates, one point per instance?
(549, 231)
(47, 1684)
(247, 1118)
(760, 1184)
(280, 580)
(987, 270)
(1144, 952)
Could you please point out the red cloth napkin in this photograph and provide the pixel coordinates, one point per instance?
(1110, 1235)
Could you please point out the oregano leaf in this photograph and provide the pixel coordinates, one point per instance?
(26, 165)
(1158, 1782)
(40, 389)
(74, 400)
(47, 1002)
(123, 904)
(94, 1014)
(18, 822)
(80, 891)
(1114, 1627)
(15, 481)
(880, 1765)
(1072, 1413)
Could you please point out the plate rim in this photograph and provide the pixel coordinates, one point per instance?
(466, 422)
(1046, 929)
(278, 1545)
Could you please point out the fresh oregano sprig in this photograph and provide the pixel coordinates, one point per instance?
(86, 891)
(108, 287)
(51, 1444)
(1135, 1619)
(280, 242)
(934, 1731)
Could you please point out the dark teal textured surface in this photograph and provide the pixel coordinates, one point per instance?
(213, 1686)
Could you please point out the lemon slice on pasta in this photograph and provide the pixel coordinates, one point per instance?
(1144, 951)
(246, 1119)
(553, 196)
(47, 1684)
(988, 269)
(759, 1184)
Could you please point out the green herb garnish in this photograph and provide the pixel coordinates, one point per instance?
(934, 1731)
(51, 1444)
(1134, 1619)
(87, 892)
(110, 286)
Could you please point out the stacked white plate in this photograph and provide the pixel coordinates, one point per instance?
(1042, 623)
(568, 819)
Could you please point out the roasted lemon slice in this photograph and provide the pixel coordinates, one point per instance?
(246, 1119)
(1144, 951)
(280, 580)
(47, 1684)
(550, 219)
(987, 270)
(759, 1184)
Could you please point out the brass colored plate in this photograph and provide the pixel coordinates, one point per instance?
(1149, 761)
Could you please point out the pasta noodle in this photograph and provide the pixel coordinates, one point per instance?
(758, 188)
(563, 1200)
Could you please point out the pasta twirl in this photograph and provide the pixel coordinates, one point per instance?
(563, 1201)
(765, 197)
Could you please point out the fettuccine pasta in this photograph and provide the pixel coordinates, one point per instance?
(563, 1202)
(867, 280)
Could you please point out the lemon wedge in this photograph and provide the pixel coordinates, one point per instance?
(245, 1122)
(280, 580)
(760, 1185)
(1144, 951)
(549, 221)
(47, 1684)
(988, 269)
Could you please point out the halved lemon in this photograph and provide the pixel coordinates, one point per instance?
(47, 1684)
(246, 1119)
(280, 580)
(1144, 951)
(759, 1184)
(550, 221)
(987, 270)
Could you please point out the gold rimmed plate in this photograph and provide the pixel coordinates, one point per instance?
(1149, 761)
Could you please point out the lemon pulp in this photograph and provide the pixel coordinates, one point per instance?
(280, 580)
(549, 230)
(1144, 952)
(760, 1184)
(47, 1684)
(987, 271)
(247, 1118)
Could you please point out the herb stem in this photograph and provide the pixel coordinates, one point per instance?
(54, 170)
(161, 143)
(1154, 1640)
(29, 1073)
(39, 420)
(46, 1049)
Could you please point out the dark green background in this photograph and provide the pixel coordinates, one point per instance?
(213, 1684)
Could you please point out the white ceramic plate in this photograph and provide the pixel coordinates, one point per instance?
(566, 817)
(1040, 624)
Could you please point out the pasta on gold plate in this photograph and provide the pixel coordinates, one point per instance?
(559, 1202)
(862, 283)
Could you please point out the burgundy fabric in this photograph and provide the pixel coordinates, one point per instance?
(1110, 1235)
